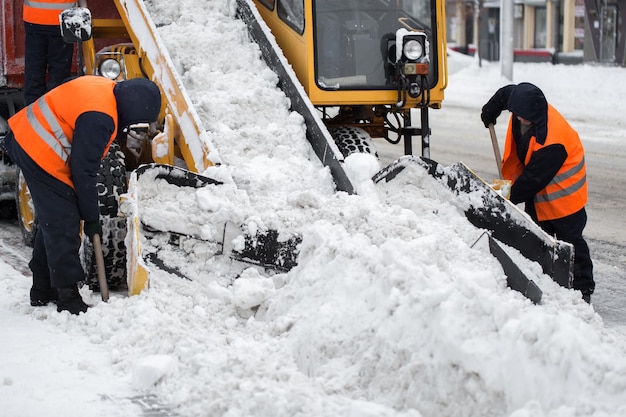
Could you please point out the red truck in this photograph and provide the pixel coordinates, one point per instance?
(106, 32)
(11, 61)
(12, 51)
(11, 98)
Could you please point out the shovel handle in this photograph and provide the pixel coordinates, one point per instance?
(102, 279)
(496, 149)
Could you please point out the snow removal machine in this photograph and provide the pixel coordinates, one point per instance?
(366, 66)
(373, 69)
(355, 70)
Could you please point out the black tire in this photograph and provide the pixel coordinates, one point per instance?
(111, 185)
(351, 140)
(8, 208)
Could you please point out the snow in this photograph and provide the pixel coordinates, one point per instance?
(395, 308)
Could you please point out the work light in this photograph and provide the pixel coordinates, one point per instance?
(110, 68)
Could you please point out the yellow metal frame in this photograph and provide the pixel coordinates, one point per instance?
(25, 207)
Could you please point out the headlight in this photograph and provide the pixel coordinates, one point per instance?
(110, 69)
(413, 50)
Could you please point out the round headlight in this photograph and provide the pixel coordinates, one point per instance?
(110, 69)
(413, 49)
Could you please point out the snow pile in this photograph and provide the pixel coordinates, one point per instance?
(151, 369)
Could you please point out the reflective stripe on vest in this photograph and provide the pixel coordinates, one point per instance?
(45, 12)
(45, 129)
(59, 142)
(563, 192)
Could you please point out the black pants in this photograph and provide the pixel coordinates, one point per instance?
(47, 60)
(570, 229)
(57, 239)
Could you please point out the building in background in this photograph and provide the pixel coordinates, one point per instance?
(558, 31)
(605, 31)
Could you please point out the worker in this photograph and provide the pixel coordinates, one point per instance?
(58, 142)
(47, 58)
(545, 161)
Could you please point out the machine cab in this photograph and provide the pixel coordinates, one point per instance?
(370, 61)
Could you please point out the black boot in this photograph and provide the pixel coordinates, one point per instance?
(42, 293)
(70, 300)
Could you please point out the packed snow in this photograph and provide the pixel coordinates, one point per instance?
(396, 308)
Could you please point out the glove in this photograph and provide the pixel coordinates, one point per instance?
(92, 228)
(495, 105)
(490, 112)
(487, 117)
(502, 187)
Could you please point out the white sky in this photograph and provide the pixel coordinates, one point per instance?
(390, 311)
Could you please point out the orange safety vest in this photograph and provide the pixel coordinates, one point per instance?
(45, 12)
(567, 192)
(45, 129)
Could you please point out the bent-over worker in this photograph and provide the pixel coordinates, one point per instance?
(58, 143)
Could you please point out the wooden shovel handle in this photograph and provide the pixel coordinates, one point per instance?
(496, 149)
(102, 279)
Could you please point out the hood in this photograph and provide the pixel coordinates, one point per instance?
(527, 101)
(138, 101)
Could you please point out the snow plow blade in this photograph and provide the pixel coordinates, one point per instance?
(505, 221)
(515, 278)
(268, 250)
(155, 240)
(176, 176)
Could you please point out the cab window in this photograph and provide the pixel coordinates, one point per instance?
(268, 3)
(292, 13)
(351, 38)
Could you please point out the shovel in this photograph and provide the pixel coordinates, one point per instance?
(102, 279)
